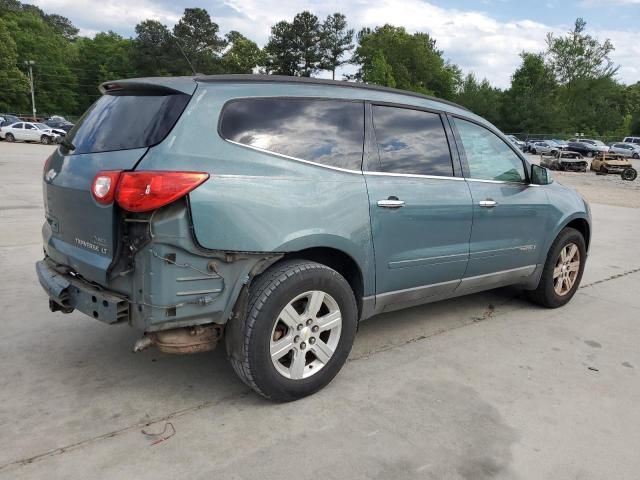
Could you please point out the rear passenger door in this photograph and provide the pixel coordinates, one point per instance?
(420, 206)
(17, 130)
(510, 215)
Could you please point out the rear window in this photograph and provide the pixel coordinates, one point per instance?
(122, 122)
(330, 132)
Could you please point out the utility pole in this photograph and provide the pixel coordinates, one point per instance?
(30, 64)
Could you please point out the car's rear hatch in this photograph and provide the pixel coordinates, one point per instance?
(114, 134)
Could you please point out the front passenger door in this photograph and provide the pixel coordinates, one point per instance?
(420, 208)
(510, 215)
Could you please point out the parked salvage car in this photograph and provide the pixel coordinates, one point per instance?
(609, 163)
(308, 207)
(631, 150)
(583, 148)
(543, 147)
(517, 142)
(564, 161)
(59, 124)
(7, 119)
(30, 132)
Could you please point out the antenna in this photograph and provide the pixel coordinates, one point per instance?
(193, 70)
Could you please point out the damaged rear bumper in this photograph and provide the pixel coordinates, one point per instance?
(68, 293)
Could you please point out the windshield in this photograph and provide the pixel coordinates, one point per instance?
(41, 126)
(126, 121)
(598, 142)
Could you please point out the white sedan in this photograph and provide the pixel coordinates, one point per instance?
(30, 132)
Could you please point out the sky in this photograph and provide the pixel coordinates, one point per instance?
(484, 37)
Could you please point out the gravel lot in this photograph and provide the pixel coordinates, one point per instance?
(485, 386)
(606, 189)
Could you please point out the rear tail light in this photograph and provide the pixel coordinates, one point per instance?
(144, 191)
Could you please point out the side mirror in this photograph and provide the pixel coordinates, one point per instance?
(540, 175)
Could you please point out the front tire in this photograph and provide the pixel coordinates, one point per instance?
(299, 329)
(45, 140)
(629, 174)
(562, 270)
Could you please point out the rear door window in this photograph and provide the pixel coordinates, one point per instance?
(411, 141)
(329, 132)
(126, 121)
(488, 156)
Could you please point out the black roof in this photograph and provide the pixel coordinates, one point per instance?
(317, 81)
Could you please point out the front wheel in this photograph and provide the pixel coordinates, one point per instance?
(562, 270)
(299, 328)
(589, 154)
(45, 140)
(629, 174)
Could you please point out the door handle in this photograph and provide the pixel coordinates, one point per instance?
(488, 203)
(391, 202)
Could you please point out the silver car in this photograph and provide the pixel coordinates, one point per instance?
(543, 148)
(631, 150)
(29, 132)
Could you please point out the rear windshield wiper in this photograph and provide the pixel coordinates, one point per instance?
(66, 144)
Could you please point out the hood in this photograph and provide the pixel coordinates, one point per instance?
(617, 163)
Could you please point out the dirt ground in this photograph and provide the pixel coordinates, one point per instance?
(606, 189)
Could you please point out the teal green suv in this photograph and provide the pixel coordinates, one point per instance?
(276, 213)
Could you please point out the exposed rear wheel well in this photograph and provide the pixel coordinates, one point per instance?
(342, 263)
(582, 226)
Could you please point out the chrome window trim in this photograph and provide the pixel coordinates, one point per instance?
(411, 175)
(281, 155)
(481, 180)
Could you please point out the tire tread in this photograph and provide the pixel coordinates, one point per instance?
(259, 292)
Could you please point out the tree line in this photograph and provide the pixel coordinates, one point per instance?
(569, 87)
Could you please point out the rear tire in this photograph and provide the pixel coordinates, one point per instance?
(275, 353)
(562, 270)
(9, 138)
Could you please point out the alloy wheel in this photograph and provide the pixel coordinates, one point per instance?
(305, 335)
(566, 269)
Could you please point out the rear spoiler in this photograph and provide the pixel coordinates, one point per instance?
(150, 86)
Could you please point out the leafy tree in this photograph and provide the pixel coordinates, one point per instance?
(378, 71)
(35, 40)
(62, 25)
(336, 42)
(579, 56)
(532, 103)
(415, 62)
(481, 98)
(13, 83)
(294, 48)
(154, 50)
(243, 55)
(281, 55)
(198, 37)
(307, 38)
(107, 56)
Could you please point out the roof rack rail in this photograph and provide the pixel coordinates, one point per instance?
(317, 81)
